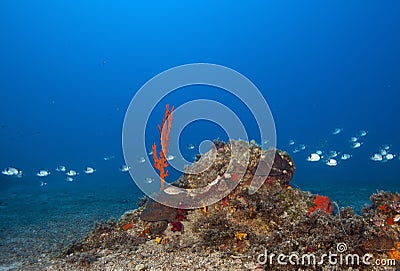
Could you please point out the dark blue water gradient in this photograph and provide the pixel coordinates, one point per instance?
(69, 69)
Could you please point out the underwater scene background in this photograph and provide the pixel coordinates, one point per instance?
(69, 69)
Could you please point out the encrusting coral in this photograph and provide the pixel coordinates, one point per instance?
(322, 203)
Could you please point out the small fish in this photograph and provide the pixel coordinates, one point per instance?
(43, 173)
(345, 156)
(141, 160)
(331, 162)
(385, 147)
(107, 158)
(314, 157)
(124, 168)
(173, 190)
(355, 145)
(377, 157)
(69, 179)
(149, 180)
(353, 139)
(61, 168)
(337, 131)
(383, 151)
(296, 150)
(190, 146)
(389, 156)
(10, 171)
(291, 142)
(319, 152)
(362, 133)
(71, 173)
(299, 148)
(333, 154)
(216, 180)
(170, 157)
(89, 170)
(42, 183)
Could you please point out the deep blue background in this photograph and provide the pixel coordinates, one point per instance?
(68, 70)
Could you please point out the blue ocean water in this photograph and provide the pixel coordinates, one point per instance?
(69, 70)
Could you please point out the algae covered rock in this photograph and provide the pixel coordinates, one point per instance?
(155, 211)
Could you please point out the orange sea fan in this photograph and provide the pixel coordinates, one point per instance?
(160, 163)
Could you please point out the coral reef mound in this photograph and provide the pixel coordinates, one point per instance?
(243, 230)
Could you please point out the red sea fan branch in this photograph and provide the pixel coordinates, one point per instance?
(161, 163)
